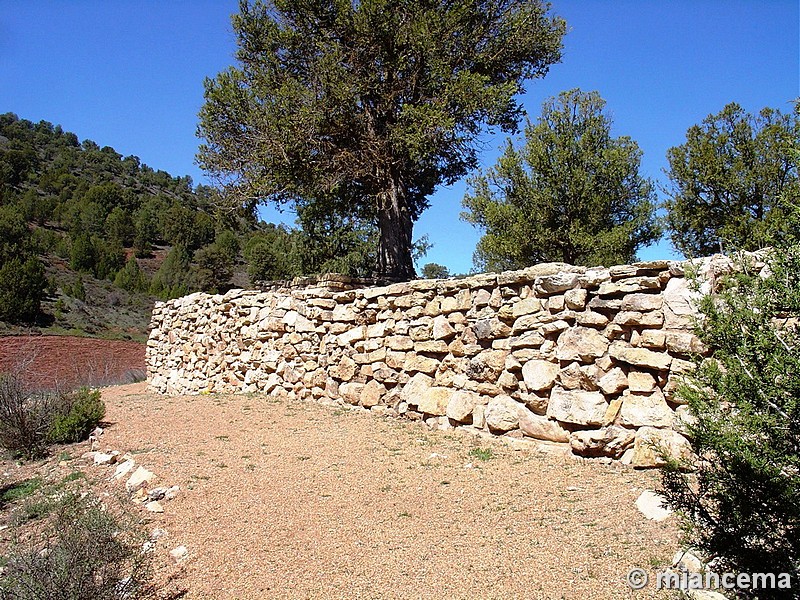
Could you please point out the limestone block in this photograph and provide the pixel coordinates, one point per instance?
(140, 478)
(351, 336)
(629, 286)
(442, 330)
(351, 392)
(646, 410)
(399, 342)
(539, 375)
(573, 377)
(653, 338)
(684, 342)
(508, 381)
(490, 329)
(434, 400)
(632, 318)
(679, 304)
(535, 402)
(588, 318)
(540, 427)
(553, 284)
(613, 382)
(641, 382)
(431, 347)
(577, 406)
(594, 276)
(651, 444)
(640, 357)
(461, 405)
(642, 302)
(417, 363)
(555, 304)
(575, 299)
(502, 414)
(412, 391)
(581, 343)
(528, 306)
(372, 393)
(611, 441)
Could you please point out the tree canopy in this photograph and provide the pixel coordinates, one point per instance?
(731, 180)
(363, 108)
(571, 193)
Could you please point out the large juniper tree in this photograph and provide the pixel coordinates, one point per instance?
(369, 104)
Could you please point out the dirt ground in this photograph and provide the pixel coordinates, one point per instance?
(287, 499)
(63, 362)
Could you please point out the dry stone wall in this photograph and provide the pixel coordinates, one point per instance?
(585, 357)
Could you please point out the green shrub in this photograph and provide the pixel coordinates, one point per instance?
(131, 277)
(85, 551)
(79, 414)
(22, 287)
(742, 503)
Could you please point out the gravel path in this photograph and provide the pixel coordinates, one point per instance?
(286, 499)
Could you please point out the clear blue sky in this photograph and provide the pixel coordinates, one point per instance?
(129, 74)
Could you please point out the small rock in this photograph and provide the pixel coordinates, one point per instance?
(156, 493)
(687, 560)
(158, 533)
(101, 458)
(172, 492)
(124, 468)
(179, 553)
(140, 477)
(704, 595)
(154, 507)
(653, 506)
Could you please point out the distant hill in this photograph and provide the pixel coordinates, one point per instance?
(110, 234)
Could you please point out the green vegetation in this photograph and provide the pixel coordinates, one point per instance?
(20, 491)
(482, 453)
(435, 271)
(84, 551)
(571, 194)
(362, 109)
(30, 421)
(742, 505)
(733, 181)
(22, 278)
(79, 413)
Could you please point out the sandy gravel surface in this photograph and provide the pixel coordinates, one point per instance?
(285, 499)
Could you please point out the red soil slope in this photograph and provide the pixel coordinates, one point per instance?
(60, 362)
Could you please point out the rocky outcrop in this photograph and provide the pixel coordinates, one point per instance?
(588, 357)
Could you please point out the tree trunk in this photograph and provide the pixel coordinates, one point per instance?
(395, 226)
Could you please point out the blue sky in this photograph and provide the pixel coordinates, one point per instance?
(129, 74)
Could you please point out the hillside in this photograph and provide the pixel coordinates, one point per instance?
(89, 239)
